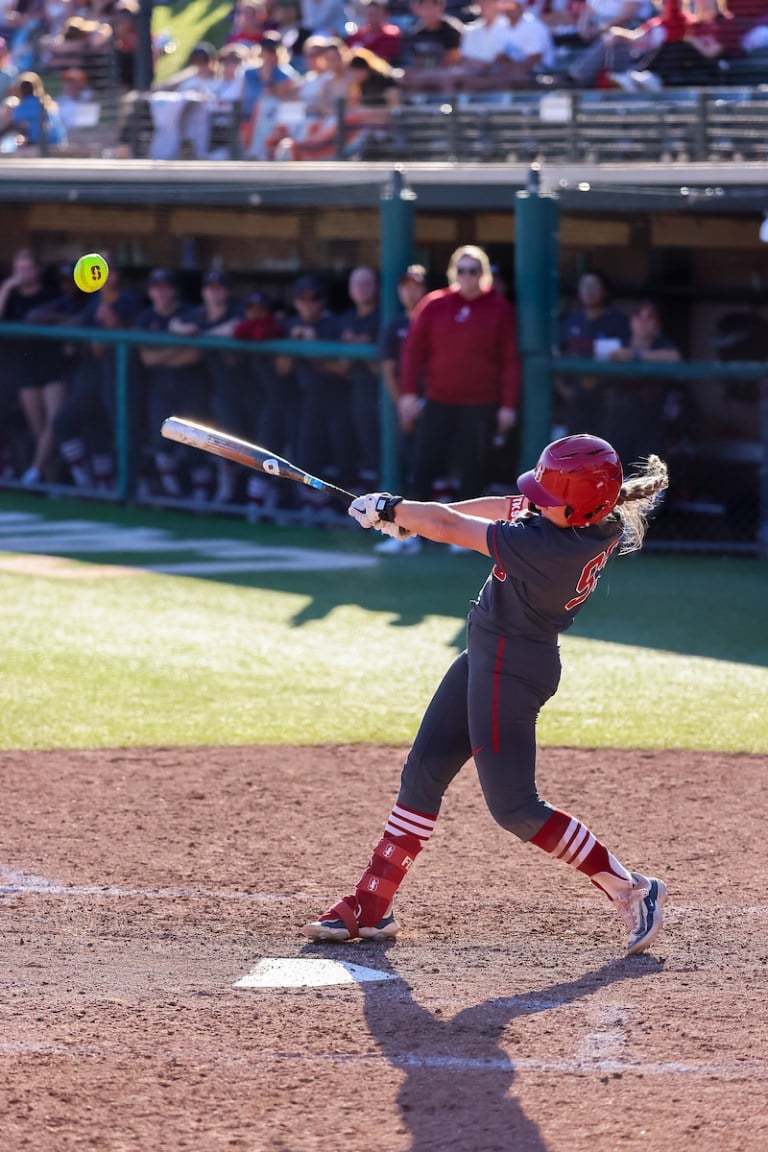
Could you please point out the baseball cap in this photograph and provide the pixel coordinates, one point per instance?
(415, 272)
(259, 298)
(162, 276)
(204, 49)
(216, 276)
(308, 286)
(271, 41)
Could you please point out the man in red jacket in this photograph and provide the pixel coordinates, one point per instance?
(461, 352)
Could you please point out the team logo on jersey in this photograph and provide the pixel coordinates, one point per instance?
(462, 314)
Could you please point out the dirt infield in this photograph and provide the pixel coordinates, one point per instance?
(137, 887)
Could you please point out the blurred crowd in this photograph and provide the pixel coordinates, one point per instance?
(284, 68)
(449, 362)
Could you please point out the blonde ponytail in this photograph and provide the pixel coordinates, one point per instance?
(639, 495)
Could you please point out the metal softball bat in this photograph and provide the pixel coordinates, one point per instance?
(242, 452)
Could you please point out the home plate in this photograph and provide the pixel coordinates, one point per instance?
(302, 973)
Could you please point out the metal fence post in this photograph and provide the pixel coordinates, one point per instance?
(396, 225)
(537, 292)
(762, 496)
(126, 472)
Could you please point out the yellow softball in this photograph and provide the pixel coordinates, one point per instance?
(91, 272)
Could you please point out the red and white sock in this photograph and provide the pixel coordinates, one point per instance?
(567, 839)
(405, 835)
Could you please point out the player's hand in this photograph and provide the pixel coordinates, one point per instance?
(375, 508)
(388, 528)
(409, 409)
(363, 510)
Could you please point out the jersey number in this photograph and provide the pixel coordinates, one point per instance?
(590, 574)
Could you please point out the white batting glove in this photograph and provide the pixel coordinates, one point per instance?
(387, 528)
(364, 511)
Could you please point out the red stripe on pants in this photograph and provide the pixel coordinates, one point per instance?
(496, 689)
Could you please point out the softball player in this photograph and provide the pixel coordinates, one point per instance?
(549, 548)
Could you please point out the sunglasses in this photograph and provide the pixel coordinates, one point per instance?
(469, 270)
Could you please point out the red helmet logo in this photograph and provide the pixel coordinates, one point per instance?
(582, 473)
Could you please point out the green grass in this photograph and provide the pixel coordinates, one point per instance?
(671, 652)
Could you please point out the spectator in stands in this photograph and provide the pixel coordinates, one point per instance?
(327, 17)
(125, 40)
(529, 44)
(411, 288)
(34, 365)
(374, 86)
(265, 83)
(180, 106)
(32, 115)
(24, 26)
(234, 400)
(337, 57)
(73, 95)
(286, 18)
(230, 73)
(315, 82)
(251, 21)
(598, 16)
(8, 70)
(434, 41)
(376, 33)
(560, 16)
(85, 425)
(689, 50)
(200, 74)
(593, 329)
(634, 408)
(461, 350)
(82, 43)
(482, 65)
(176, 384)
(361, 324)
(661, 46)
(324, 435)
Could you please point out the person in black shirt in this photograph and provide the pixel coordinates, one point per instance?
(86, 425)
(324, 435)
(34, 368)
(176, 385)
(434, 42)
(235, 398)
(361, 324)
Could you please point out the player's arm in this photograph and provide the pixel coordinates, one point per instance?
(492, 507)
(443, 524)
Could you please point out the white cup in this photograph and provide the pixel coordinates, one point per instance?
(604, 346)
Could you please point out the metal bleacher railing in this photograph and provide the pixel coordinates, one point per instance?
(729, 513)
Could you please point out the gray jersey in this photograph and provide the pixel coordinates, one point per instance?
(542, 575)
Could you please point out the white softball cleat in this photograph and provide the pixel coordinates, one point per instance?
(642, 910)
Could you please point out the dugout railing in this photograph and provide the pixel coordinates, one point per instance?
(718, 498)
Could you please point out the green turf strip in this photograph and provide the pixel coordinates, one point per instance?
(671, 652)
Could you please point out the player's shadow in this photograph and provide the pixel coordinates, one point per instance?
(457, 1075)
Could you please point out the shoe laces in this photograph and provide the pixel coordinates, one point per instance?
(629, 904)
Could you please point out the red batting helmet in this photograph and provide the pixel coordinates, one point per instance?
(582, 473)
